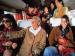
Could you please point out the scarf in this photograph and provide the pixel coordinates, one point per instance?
(35, 32)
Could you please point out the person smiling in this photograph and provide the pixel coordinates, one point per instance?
(60, 39)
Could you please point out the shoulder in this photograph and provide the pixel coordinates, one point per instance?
(55, 10)
(43, 31)
(66, 8)
(56, 28)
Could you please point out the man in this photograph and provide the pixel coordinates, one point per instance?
(34, 38)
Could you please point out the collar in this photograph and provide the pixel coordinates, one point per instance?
(35, 32)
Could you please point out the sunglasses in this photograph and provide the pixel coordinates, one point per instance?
(5, 20)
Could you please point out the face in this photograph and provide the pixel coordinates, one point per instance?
(35, 10)
(30, 9)
(52, 6)
(46, 10)
(44, 19)
(64, 23)
(34, 23)
(6, 22)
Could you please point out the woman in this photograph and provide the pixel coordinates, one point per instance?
(29, 12)
(8, 24)
(36, 12)
(46, 13)
(45, 25)
(52, 7)
(61, 10)
(60, 39)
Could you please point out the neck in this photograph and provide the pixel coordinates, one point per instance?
(63, 27)
(8, 27)
(35, 27)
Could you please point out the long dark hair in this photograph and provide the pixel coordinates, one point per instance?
(12, 20)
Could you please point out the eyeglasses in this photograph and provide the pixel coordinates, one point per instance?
(5, 20)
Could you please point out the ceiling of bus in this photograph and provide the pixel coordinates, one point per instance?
(70, 3)
(21, 4)
(12, 4)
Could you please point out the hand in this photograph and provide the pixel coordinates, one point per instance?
(14, 45)
(1, 35)
(8, 43)
(35, 53)
(63, 41)
(61, 47)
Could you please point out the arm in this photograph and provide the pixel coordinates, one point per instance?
(15, 34)
(70, 39)
(42, 41)
(70, 36)
(52, 37)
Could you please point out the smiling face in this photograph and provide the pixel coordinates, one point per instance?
(52, 6)
(6, 22)
(46, 10)
(35, 22)
(64, 23)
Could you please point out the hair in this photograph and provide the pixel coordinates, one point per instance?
(45, 7)
(61, 2)
(65, 17)
(37, 18)
(52, 2)
(11, 18)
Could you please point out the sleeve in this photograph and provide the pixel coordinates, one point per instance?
(15, 34)
(71, 35)
(70, 38)
(51, 38)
